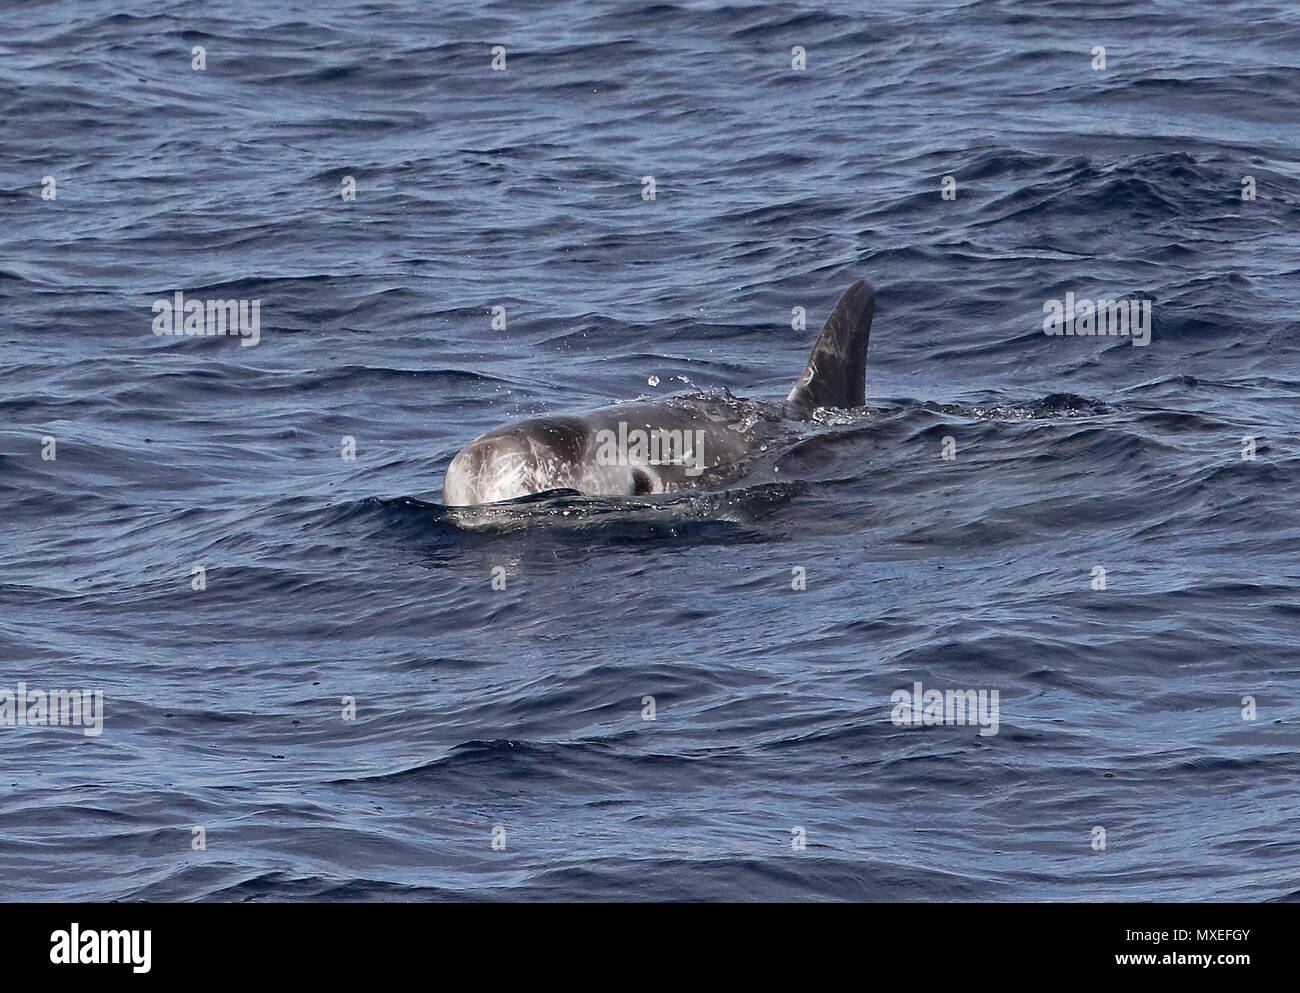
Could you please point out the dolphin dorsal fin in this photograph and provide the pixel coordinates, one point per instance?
(836, 374)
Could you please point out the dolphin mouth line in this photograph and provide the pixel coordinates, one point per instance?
(738, 506)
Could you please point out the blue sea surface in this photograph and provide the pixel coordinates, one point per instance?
(1112, 545)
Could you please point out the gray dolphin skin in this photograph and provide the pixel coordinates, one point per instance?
(685, 442)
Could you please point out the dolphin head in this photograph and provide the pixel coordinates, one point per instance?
(529, 457)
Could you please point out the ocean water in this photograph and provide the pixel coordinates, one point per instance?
(772, 769)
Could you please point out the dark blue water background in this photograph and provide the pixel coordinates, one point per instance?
(522, 708)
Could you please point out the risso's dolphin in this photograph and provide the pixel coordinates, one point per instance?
(687, 442)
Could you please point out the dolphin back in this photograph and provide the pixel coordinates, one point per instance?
(836, 374)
